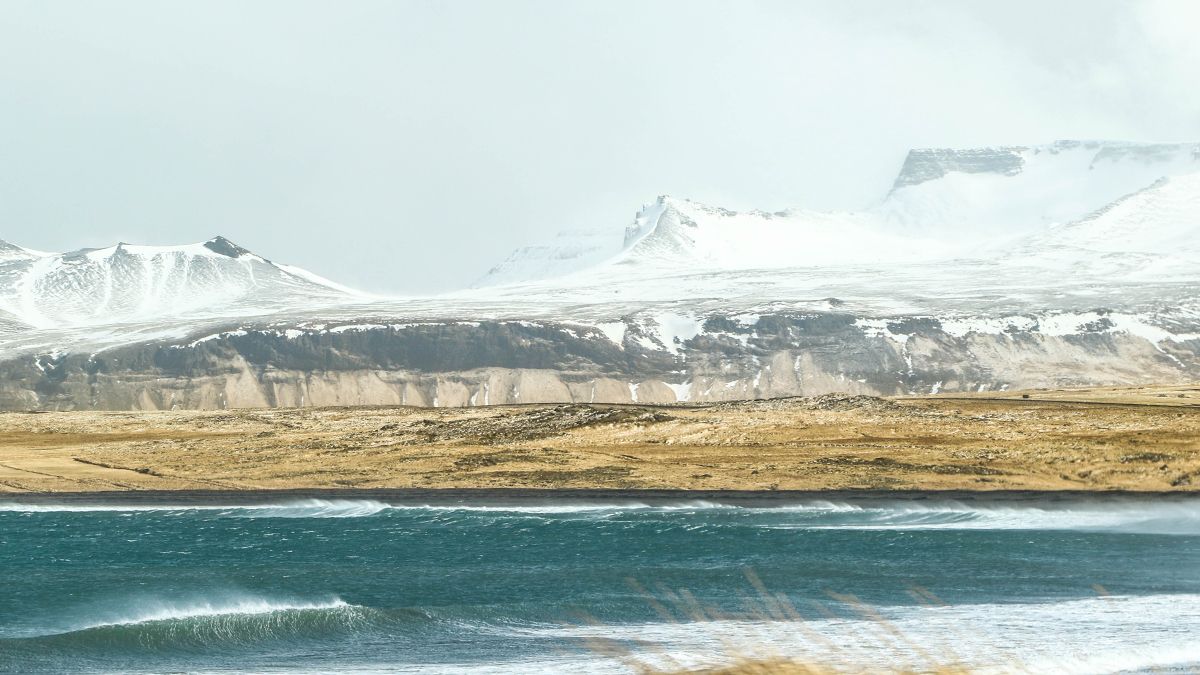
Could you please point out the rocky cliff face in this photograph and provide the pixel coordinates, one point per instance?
(923, 165)
(488, 363)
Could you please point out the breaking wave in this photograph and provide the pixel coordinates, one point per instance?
(1181, 517)
(171, 627)
(1159, 517)
(161, 611)
(305, 508)
(352, 508)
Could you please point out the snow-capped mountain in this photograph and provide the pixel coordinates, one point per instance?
(130, 284)
(944, 204)
(1072, 263)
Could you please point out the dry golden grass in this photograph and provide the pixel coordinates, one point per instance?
(768, 667)
(870, 629)
(1096, 439)
(788, 667)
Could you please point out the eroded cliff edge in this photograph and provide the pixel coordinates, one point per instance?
(453, 364)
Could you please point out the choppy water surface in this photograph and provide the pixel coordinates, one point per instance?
(361, 585)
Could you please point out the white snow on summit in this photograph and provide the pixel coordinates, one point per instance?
(9, 252)
(127, 283)
(992, 192)
(691, 235)
(945, 205)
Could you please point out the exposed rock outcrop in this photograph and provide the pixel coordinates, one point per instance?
(489, 363)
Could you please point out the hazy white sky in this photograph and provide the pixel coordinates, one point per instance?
(407, 146)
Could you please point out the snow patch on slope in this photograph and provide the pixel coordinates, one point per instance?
(567, 253)
(1159, 226)
(1055, 324)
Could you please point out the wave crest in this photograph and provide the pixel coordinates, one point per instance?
(156, 611)
(170, 625)
(303, 508)
(1145, 516)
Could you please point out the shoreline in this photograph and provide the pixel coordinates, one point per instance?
(578, 496)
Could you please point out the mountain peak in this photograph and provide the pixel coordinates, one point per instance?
(923, 165)
(11, 251)
(130, 282)
(223, 246)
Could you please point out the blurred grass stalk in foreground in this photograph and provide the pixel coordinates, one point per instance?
(865, 630)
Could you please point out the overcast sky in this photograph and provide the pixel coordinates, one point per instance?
(404, 146)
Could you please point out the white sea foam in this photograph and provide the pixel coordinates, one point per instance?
(352, 508)
(580, 508)
(1166, 517)
(314, 508)
(306, 508)
(1146, 516)
(1094, 635)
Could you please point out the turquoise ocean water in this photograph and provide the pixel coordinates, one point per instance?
(364, 586)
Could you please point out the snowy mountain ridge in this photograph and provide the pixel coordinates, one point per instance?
(944, 204)
(1067, 264)
(128, 283)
